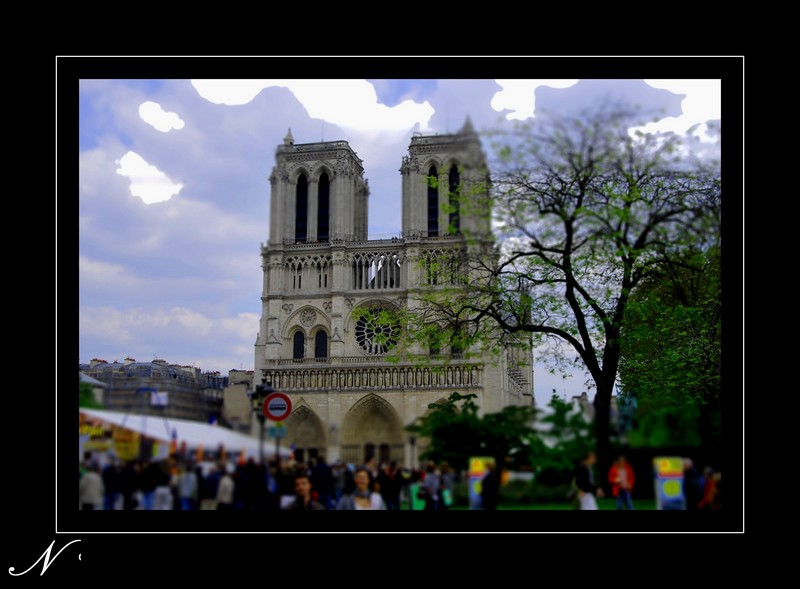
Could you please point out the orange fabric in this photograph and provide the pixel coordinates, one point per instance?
(613, 478)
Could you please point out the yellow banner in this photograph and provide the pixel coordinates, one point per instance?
(669, 466)
(477, 465)
(126, 443)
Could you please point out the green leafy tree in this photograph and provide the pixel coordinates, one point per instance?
(455, 431)
(671, 354)
(86, 397)
(671, 343)
(584, 214)
(565, 435)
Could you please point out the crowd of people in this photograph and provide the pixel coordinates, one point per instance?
(702, 490)
(182, 484)
(317, 485)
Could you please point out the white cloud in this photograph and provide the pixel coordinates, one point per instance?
(347, 103)
(94, 272)
(242, 327)
(190, 320)
(519, 96)
(230, 92)
(147, 182)
(703, 103)
(178, 334)
(152, 114)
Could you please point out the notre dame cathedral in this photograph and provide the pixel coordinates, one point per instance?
(317, 344)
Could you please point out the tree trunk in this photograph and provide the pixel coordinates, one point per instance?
(602, 430)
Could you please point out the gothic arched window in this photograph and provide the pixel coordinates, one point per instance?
(433, 202)
(301, 209)
(298, 345)
(455, 193)
(321, 344)
(323, 208)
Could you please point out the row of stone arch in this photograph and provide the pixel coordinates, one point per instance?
(355, 378)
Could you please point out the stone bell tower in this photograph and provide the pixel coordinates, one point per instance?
(327, 288)
(445, 182)
(318, 194)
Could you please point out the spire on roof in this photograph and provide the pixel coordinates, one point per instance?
(467, 129)
(288, 140)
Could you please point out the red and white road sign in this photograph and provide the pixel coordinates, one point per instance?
(277, 406)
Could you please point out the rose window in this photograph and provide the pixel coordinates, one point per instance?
(376, 330)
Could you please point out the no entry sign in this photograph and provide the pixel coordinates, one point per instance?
(277, 406)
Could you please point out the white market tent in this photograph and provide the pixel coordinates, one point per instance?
(193, 433)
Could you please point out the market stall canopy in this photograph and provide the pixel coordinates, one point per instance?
(193, 433)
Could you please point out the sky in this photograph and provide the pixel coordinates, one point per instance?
(174, 192)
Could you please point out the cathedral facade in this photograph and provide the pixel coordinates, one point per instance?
(322, 335)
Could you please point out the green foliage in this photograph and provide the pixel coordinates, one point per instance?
(521, 492)
(565, 435)
(517, 492)
(456, 432)
(666, 426)
(86, 397)
(671, 342)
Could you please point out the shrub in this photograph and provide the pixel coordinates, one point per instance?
(516, 491)
(560, 493)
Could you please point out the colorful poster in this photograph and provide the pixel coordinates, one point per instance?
(477, 470)
(94, 436)
(126, 443)
(668, 471)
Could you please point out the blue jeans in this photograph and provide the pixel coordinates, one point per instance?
(148, 500)
(624, 500)
(110, 501)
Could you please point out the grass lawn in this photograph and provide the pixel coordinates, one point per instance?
(642, 504)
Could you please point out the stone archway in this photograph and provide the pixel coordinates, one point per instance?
(372, 427)
(306, 431)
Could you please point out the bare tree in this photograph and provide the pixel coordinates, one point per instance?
(583, 212)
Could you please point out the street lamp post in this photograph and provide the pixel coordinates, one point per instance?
(257, 402)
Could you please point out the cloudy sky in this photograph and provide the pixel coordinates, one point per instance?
(174, 191)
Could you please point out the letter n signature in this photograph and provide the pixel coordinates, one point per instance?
(47, 560)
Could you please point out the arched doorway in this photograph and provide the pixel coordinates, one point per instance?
(305, 430)
(372, 428)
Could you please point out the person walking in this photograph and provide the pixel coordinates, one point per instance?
(390, 484)
(91, 488)
(188, 488)
(621, 477)
(430, 490)
(302, 495)
(584, 481)
(447, 485)
(148, 481)
(112, 482)
(322, 481)
(490, 489)
(362, 498)
(225, 490)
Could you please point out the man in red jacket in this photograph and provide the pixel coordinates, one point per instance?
(621, 477)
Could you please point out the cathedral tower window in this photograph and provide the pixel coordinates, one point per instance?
(301, 210)
(323, 211)
(433, 203)
(454, 181)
